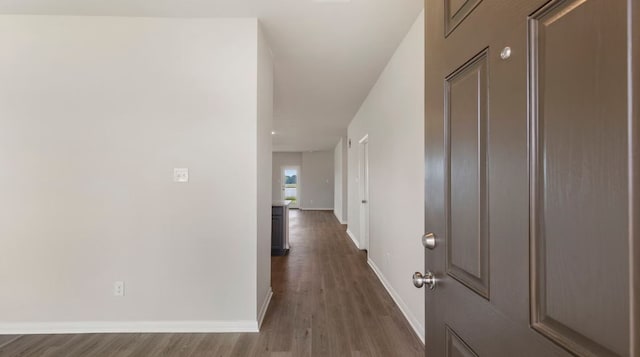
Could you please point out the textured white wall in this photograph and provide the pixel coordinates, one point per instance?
(317, 180)
(95, 112)
(393, 117)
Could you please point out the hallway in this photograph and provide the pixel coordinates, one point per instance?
(327, 302)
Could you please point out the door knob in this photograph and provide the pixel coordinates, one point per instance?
(429, 241)
(428, 279)
(364, 201)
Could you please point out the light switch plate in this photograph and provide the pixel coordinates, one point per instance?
(180, 175)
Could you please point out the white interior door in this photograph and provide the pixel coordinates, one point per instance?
(364, 193)
(290, 182)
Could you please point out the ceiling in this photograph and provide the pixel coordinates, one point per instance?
(327, 53)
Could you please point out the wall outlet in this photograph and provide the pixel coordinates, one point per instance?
(118, 288)
(310, 202)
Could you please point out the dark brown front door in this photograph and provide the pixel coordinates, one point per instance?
(532, 178)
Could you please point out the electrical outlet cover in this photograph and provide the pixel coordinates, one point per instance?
(118, 288)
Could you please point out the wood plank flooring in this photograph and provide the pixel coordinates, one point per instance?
(327, 302)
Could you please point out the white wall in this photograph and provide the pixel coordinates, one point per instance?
(265, 125)
(316, 177)
(281, 159)
(317, 180)
(95, 112)
(340, 195)
(393, 117)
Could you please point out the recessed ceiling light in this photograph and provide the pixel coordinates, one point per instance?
(273, 133)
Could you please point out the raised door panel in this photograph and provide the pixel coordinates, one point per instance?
(456, 347)
(579, 222)
(467, 215)
(456, 11)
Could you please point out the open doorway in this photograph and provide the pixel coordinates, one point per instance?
(364, 192)
(291, 185)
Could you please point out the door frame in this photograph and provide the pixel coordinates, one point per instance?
(282, 184)
(363, 191)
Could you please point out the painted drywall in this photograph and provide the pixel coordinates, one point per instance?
(281, 159)
(393, 117)
(340, 195)
(345, 180)
(317, 180)
(95, 112)
(264, 144)
(337, 179)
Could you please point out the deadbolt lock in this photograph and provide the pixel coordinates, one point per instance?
(429, 241)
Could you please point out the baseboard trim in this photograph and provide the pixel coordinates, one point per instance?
(52, 328)
(353, 238)
(265, 307)
(316, 209)
(418, 329)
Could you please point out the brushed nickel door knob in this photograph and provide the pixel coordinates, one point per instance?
(427, 279)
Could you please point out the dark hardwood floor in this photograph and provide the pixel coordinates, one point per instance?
(326, 302)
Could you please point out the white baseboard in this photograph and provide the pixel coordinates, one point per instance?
(353, 238)
(265, 307)
(413, 321)
(316, 209)
(38, 328)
